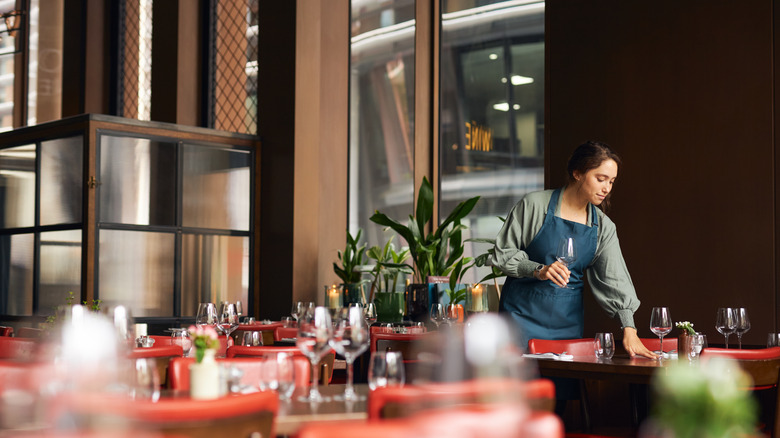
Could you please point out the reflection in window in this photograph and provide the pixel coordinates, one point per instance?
(215, 188)
(61, 180)
(136, 269)
(60, 268)
(214, 269)
(16, 274)
(492, 109)
(381, 150)
(137, 181)
(17, 186)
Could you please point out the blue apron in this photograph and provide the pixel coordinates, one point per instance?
(541, 309)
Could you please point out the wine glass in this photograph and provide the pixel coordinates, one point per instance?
(285, 375)
(743, 323)
(314, 333)
(350, 339)
(228, 320)
(567, 253)
(437, 314)
(370, 313)
(451, 313)
(207, 314)
(297, 308)
(386, 368)
(660, 324)
(726, 322)
(239, 310)
(773, 340)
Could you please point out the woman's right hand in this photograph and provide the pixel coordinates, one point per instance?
(557, 272)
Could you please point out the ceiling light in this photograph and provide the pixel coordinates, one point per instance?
(521, 80)
(493, 56)
(501, 106)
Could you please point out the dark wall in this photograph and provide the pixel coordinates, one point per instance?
(684, 91)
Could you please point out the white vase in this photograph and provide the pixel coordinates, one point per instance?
(204, 377)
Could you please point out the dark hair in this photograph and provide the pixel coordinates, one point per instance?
(590, 155)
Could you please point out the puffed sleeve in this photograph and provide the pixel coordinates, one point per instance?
(520, 227)
(609, 278)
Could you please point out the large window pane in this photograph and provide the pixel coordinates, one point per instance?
(60, 269)
(137, 181)
(214, 269)
(381, 150)
(216, 188)
(492, 109)
(17, 187)
(61, 180)
(137, 270)
(16, 274)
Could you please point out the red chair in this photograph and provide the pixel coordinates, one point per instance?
(326, 363)
(267, 332)
(29, 332)
(575, 347)
(393, 402)
(18, 348)
(6, 331)
(763, 366)
(161, 340)
(285, 333)
(654, 344)
(240, 415)
(179, 370)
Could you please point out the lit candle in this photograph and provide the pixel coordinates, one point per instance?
(333, 297)
(476, 297)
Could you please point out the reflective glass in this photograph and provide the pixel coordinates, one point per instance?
(17, 186)
(137, 181)
(381, 150)
(136, 269)
(214, 269)
(60, 269)
(61, 180)
(16, 274)
(492, 110)
(216, 188)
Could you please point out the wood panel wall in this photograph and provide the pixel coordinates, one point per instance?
(685, 92)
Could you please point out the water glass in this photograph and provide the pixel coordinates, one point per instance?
(207, 314)
(146, 385)
(773, 340)
(604, 345)
(285, 375)
(181, 337)
(694, 345)
(386, 368)
(252, 339)
(288, 322)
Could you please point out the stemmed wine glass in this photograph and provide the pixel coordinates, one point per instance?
(437, 314)
(350, 339)
(297, 308)
(239, 310)
(567, 253)
(726, 322)
(207, 314)
(228, 320)
(743, 323)
(314, 333)
(660, 324)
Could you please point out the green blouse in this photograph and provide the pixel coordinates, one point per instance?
(607, 274)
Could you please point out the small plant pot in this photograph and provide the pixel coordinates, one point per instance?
(389, 306)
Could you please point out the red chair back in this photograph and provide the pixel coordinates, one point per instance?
(284, 333)
(6, 331)
(161, 340)
(654, 344)
(17, 348)
(393, 402)
(29, 332)
(575, 347)
(179, 370)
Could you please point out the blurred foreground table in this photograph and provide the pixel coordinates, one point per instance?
(294, 413)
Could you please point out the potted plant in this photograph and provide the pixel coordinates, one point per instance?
(433, 253)
(349, 272)
(386, 272)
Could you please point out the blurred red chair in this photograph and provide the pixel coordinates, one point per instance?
(285, 333)
(326, 363)
(161, 340)
(763, 366)
(162, 354)
(179, 370)
(18, 348)
(240, 415)
(6, 331)
(267, 332)
(409, 344)
(29, 332)
(393, 402)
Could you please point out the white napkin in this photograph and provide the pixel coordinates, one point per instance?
(554, 356)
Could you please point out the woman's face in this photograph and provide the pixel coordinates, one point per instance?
(595, 184)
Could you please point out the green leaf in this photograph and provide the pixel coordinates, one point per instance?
(424, 211)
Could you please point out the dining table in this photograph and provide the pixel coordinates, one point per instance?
(294, 413)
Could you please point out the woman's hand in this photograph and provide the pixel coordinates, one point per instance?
(634, 345)
(557, 272)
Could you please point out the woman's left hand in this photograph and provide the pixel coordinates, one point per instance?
(634, 345)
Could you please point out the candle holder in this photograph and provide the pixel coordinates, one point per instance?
(334, 298)
(476, 298)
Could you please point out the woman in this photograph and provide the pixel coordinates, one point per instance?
(543, 295)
